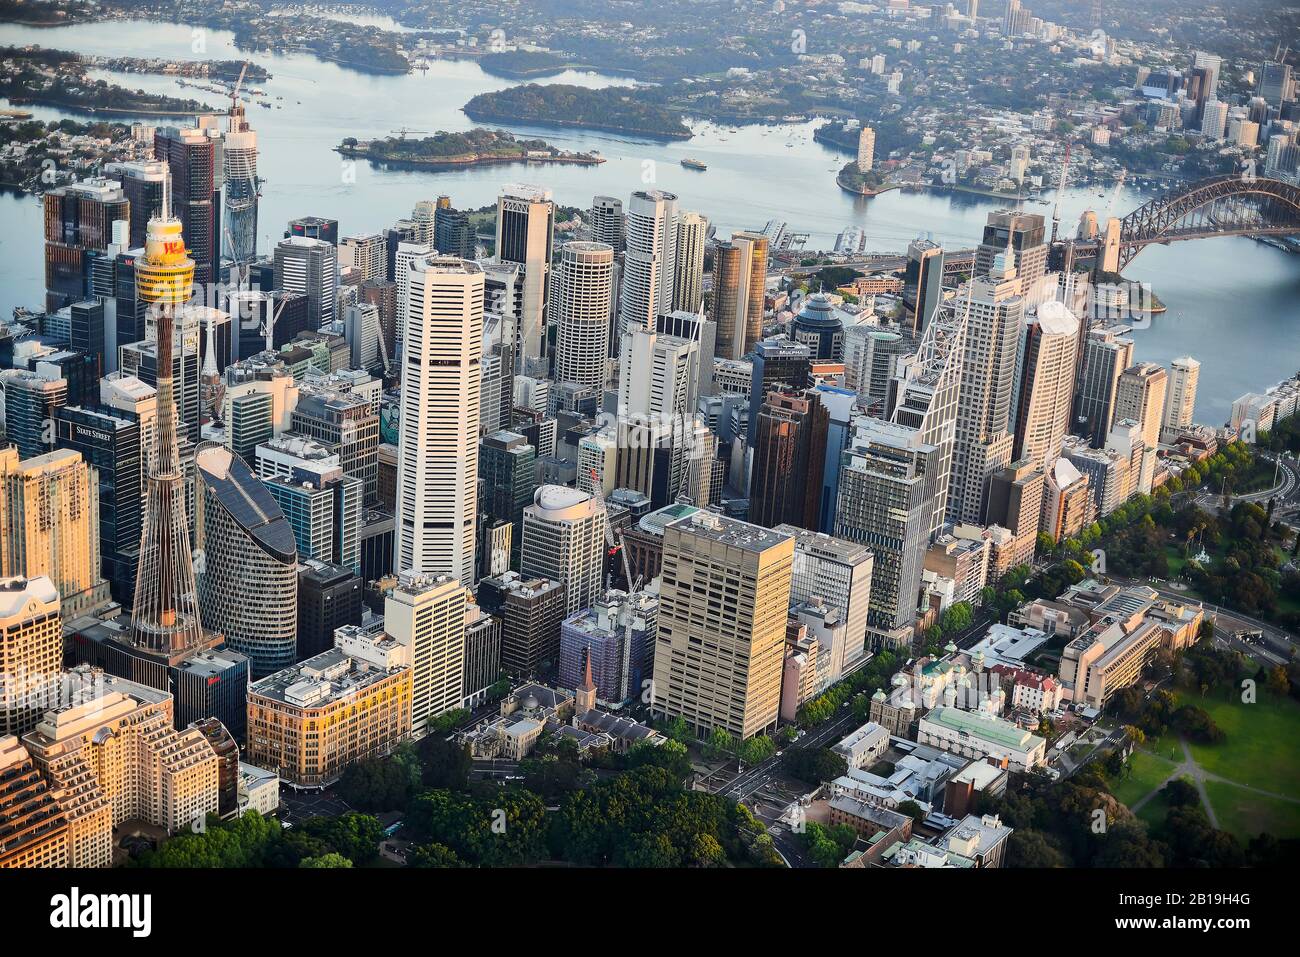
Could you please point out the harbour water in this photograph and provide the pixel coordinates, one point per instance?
(1232, 303)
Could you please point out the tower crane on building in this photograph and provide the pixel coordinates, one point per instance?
(614, 542)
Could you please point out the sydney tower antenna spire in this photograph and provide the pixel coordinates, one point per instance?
(165, 614)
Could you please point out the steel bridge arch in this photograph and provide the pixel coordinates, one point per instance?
(1212, 207)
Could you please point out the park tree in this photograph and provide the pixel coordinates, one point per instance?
(1034, 849)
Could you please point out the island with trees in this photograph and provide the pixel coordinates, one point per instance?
(522, 64)
(477, 147)
(34, 75)
(853, 180)
(613, 109)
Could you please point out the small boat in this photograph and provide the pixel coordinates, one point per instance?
(694, 164)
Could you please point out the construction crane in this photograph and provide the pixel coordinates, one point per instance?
(1119, 185)
(1060, 192)
(402, 131)
(614, 542)
(235, 109)
(268, 327)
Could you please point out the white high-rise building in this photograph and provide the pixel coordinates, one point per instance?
(437, 458)
(1214, 121)
(309, 266)
(658, 375)
(405, 255)
(366, 253)
(581, 296)
(983, 443)
(688, 276)
(606, 221)
(362, 330)
(1046, 383)
(31, 650)
(1212, 64)
(597, 462)
(426, 615)
(1180, 398)
(1140, 396)
(525, 235)
(650, 261)
(564, 540)
(867, 147)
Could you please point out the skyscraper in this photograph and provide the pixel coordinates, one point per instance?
(1276, 83)
(406, 254)
(837, 572)
(582, 290)
(79, 219)
(349, 425)
(314, 227)
(531, 611)
(1046, 384)
(364, 253)
(1140, 396)
(1024, 234)
(452, 233)
(722, 620)
(31, 651)
(141, 360)
(195, 198)
(1015, 502)
(143, 184)
(658, 375)
(31, 401)
(789, 458)
(922, 284)
(438, 444)
(309, 266)
(49, 525)
(866, 149)
(983, 439)
(323, 507)
(739, 283)
(887, 495)
(606, 218)
(239, 169)
(32, 817)
(111, 442)
(426, 614)
(819, 328)
(650, 260)
(688, 270)
(1180, 399)
(115, 739)
(508, 475)
(526, 235)
(1107, 352)
(564, 540)
(248, 584)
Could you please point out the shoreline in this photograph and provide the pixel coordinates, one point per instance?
(98, 110)
(479, 116)
(866, 194)
(466, 161)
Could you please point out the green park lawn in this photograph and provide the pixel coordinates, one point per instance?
(1247, 814)
(1257, 751)
(1259, 744)
(1146, 773)
(1166, 746)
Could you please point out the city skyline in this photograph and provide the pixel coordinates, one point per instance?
(593, 515)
